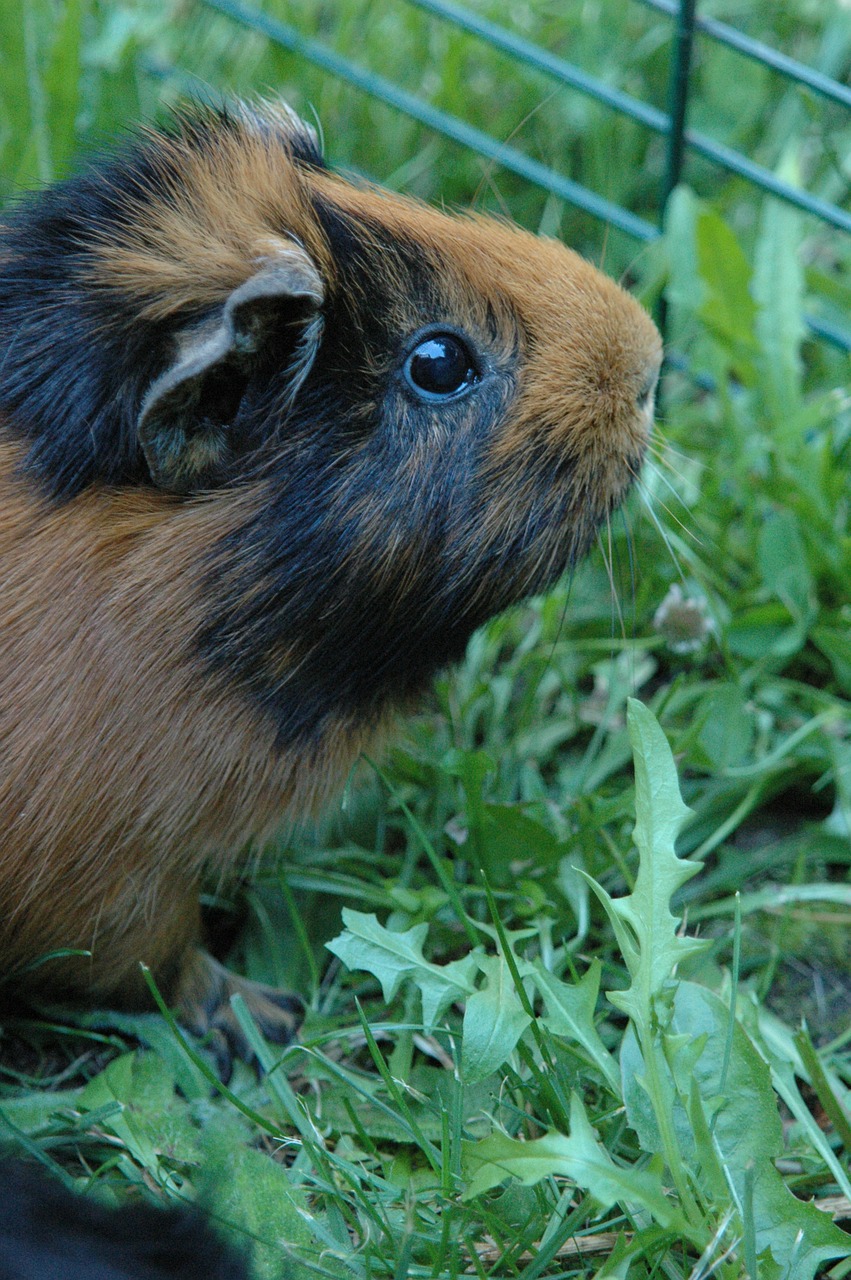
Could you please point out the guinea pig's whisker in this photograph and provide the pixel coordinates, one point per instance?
(652, 502)
(661, 464)
(658, 467)
(607, 548)
(604, 247)
(649, 500)
(662, 448)
(662, 531)
(491, 165)
(689, 530)
(667, 458)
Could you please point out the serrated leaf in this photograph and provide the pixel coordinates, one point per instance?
(728, 1127)
(580, 1156)
(569, 1012)
(644, 924)
(388, 955)
(392, 957)
(494, 1021)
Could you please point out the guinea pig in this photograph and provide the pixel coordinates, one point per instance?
(273, 443)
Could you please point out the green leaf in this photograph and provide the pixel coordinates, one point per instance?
(263, 1210)
(580, 1156)
(835, 644)
(472, 768)
(33, 1111)
(782, 558)
(136, 1101)
(494, 1021)
(776, 1045)
(151, 1031)
(727, 309)
(392, 957)
(728, 1128)
(726, 731)
(686, 290)
(570, 1013)
(709, 281)
(765, 631)
(778, 289)
(508, 836)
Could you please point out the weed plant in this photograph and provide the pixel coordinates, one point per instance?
(541, 1042)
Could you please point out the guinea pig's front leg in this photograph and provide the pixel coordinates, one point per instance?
(192, 982)
(151, 917)
(201, 996)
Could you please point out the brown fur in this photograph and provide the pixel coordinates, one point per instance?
(115, 750)
(129, 766)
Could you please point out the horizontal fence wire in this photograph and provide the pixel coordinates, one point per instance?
(772, 58)
(658, 121)
(440, 121)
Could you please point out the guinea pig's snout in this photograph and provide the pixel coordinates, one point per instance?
(616, 353)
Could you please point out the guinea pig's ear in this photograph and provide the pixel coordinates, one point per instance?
(184, 425)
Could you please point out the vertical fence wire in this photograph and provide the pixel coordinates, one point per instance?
(808, 77)
(679, 85)
(678, 94)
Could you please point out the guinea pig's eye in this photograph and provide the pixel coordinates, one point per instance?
(440, 367)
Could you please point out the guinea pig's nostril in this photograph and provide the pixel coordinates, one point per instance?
(648, 387)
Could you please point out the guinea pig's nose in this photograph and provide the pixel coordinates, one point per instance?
(648, 386)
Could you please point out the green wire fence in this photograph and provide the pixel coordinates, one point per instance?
(672, 124)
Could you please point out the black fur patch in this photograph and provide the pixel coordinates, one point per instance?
(48, 1233)
(74, 361)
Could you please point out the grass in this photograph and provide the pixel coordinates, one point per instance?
(428, 1124)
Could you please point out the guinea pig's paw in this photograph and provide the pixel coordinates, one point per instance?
(203, 1003)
